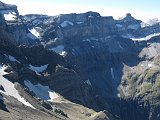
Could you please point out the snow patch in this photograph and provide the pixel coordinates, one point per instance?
(88, 82)
(35, 32)
(112, 73)
(66, 23)
(59, 49)
(64, 53)
(10, 89)
(146, 38)
(38, 69)
(41, 91)
(150, 65)
(9, 15)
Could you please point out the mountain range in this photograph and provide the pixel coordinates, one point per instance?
(78, 67)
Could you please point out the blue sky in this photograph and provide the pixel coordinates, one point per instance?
(141, 9)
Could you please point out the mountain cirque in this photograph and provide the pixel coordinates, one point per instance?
(78, 66)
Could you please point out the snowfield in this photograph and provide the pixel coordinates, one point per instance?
(146, 38)
(38, 69)
(59, 49)
(9, 88)
(9, 15)
(41, 91)
(34, 34)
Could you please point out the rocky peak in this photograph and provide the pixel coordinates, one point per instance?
(9, 12)
(128, 19)
(128, 15)
(128, 23)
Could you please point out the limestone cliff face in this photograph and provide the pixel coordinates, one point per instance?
(89, 24)
(11, 21)
(58, 76)
(95, 61)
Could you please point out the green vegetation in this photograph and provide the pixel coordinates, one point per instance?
(157, 60)
(158, 82)
(146, 87)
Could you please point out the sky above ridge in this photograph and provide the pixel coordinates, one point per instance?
(140, 9)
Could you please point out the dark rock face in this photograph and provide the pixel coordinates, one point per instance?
(2, 88)
(2, 22)
(15, 27)
(2, 105)
(66, 82)
(58, 76)
(92, 24)
(95, 61)
(99, 48)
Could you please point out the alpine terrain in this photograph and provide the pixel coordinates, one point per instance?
(78, 67)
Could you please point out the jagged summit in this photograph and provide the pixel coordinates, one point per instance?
(127, 17)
